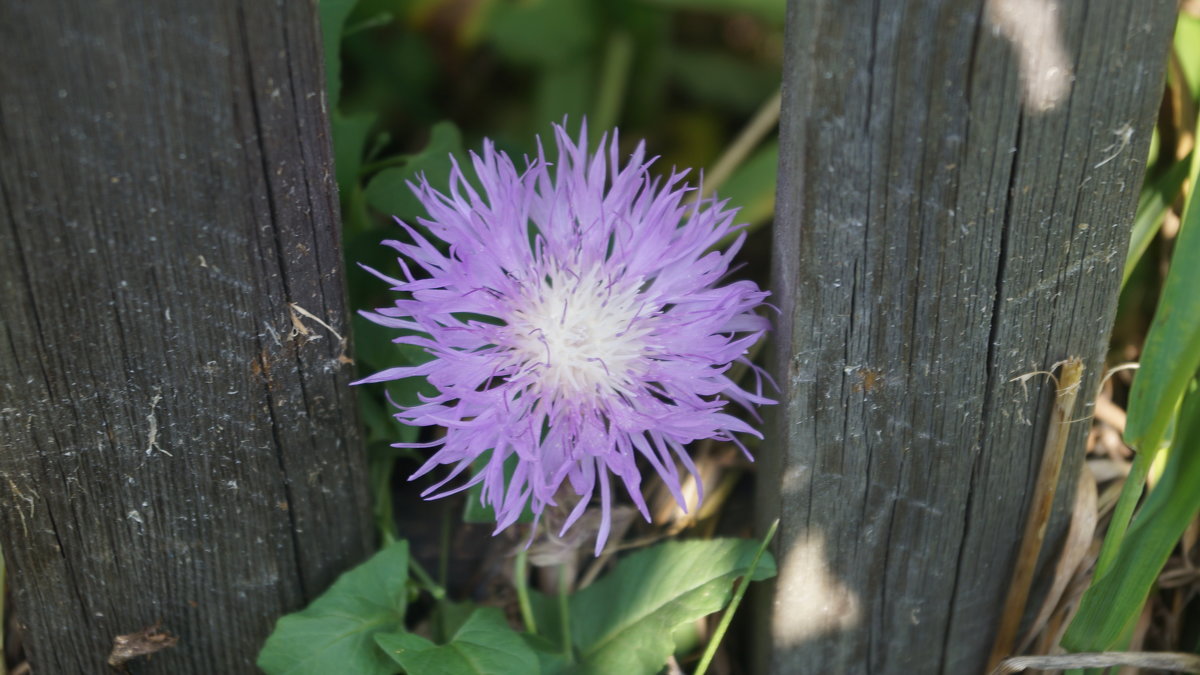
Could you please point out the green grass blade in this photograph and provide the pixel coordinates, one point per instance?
(711, 650)
(1170, 356)
(1113, 603)
(1131, 560)
(1157, 196)
(1172, 351)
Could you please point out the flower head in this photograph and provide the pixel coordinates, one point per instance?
(576, 321)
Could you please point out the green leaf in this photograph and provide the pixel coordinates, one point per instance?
(719, 79)
(349, 132)
(349, 139)
(623, 623)
(484, 645)
(1157, 196)
(377, 20)
(375, 351)
(449, 616)
(336, 633)
(1172, 351)
(565, 89)
(550, 659)
(543, 32)
(373, 346)
(1114, 602)
(771, 11)
(1187, 47)
(388, 190)
(333, 15)
(376, 418)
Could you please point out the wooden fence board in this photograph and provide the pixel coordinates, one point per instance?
(957, 185)
(179, 443)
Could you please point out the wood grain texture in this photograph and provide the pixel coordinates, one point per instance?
(947, 220)
(178, 445)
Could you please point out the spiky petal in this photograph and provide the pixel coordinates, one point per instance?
(576, 321)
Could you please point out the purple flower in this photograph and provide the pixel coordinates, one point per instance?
(577, 322)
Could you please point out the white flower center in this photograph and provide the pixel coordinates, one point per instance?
(583, 335)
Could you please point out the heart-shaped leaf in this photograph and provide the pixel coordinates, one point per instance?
(623, 622)
(484, 645)
(336, 633)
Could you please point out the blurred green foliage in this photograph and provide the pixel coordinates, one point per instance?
(685, 76)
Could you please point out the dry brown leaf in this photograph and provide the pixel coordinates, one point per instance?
(1169, 630)
(712, 461)
(1104, 469)
(1075, 550)
(1053, 633)
(1182, 106)
(550, 550)
(1188, 542)
(1040, 506)
(1110, 413)
(142, 643)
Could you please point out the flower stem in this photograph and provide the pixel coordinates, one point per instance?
(380, 474)
(564, 613)
(521, 581)
(711, 650)
(435, 589)
(444, 557)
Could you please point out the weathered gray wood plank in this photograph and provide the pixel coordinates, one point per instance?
(177, 444)
(954, 209)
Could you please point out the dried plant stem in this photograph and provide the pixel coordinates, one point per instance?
(1072, 557)
(1185, 107)
(1039, 511)
(1175, 662)
(751, 135)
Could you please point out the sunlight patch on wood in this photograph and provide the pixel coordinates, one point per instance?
(817, 603)
(1032, 26)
